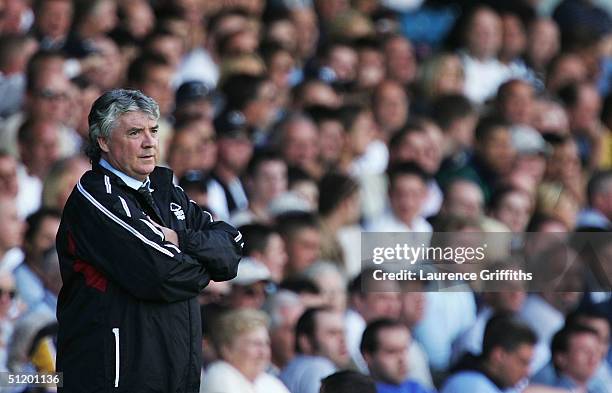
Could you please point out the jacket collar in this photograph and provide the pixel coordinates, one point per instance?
(129, 181)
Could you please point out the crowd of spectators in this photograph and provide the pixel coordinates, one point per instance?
(306, 123)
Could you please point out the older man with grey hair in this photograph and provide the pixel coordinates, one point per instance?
(134, 253)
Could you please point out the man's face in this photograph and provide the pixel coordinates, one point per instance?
(49, 100)
(303, 248)
(497, 151)
(582, 357)
(157, 85)
(518, 104)
(392, 106)
(464, 200)
(274, 256)
(45, 237)
(270, 180)
(484, 36)
(40, 156)
(301, 145)
(8, 177)
(516, 364)
(235, 152)
(406, 196)
(55, 18)
(389, 363)
(132, 146)
(329, 338)
(282, 337)
(12, 226)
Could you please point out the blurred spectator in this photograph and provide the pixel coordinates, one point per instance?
(339, 210)
(494, 156)
(347, 382)
(61, 179)
(407, 193)
(400, 59)
(463, 198)
(583, 105)
(249, 288)
(508, 298)
(284, 308)
(320, 350)
(194, 99)
(15, 52)
(543, 44)
(599, 191)
(11, 236)
(515, 99)
(368, 300)
(267, 180)
(265, 244)
(31, 276)
(384, 347)
(512, 207)
(331, 283)
(52, 22)
(331, 135)
(243, 341)
(391, 107)
(234, 152)
(440, 75)
(92, 19)
(9, 185)
(302, 236)
(575, 359)
(297, 139)
(506, 354)
(482, 42)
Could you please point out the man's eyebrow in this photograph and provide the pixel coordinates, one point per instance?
(136, 129)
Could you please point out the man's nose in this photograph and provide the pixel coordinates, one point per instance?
(149, 140)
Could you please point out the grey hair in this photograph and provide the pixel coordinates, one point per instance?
(274, 305)
(321, 267)
(107, 109)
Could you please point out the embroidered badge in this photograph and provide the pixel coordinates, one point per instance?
(177, 210)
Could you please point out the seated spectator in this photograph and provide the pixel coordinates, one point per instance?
(407, 193)
(266, 180)
(60, 181)
(576, 356)
(11, 235)
(347, 382)
(494, 157)
(243, 341)
(339, 208)
(30, 277)
(384, 347)
(250, 287)
(369, 299)
(320, 350)
(284, 308)
(482, 43)
(507, 351)
(331, 283)
(599, 212)
(265, 244)
(302, 237)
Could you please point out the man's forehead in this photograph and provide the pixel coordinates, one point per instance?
(137, 119)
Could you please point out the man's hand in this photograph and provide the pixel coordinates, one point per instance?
(169, 234)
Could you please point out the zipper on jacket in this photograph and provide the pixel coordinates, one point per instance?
(116, 333)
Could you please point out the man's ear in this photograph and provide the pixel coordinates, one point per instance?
(103, 143)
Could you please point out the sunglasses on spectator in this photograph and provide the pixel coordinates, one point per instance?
(52, 95)
(10, 292)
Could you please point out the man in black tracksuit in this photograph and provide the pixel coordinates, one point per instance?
(134, 254)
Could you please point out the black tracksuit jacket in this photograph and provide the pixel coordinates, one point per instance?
(129, 320)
